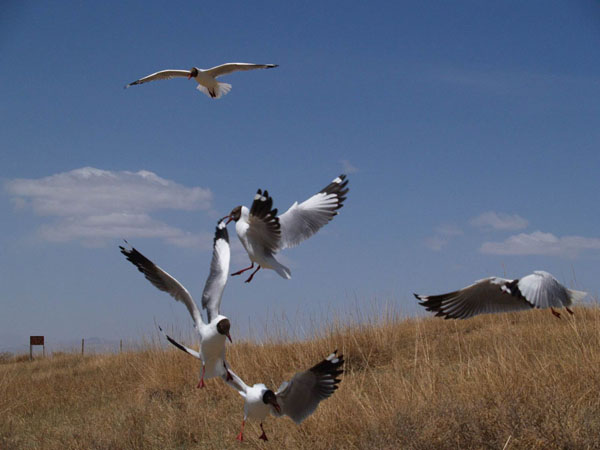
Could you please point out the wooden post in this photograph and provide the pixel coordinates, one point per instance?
(36, 340)
(82, 344)
(43, 351)
(121, 346)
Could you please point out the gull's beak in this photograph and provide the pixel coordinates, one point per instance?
(229, 219)
(276, 406)
(229, 337)
(189, 75)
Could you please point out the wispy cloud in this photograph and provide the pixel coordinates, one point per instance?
(443, 234)
(499, 221)
(347, 167)
(540, 243)
(93, 206)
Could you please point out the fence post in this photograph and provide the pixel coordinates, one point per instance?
(121, 346)
(30, 352)
(82, 344)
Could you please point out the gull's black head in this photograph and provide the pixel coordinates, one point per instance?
(269, 398)
(235, 214)
(223, 327)
(193, 73)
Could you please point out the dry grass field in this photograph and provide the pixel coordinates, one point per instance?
(523, 380)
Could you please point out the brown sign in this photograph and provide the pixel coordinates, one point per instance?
(36, 340)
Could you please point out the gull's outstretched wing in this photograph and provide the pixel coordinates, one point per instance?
(219, 269)
(163, 281)
(303, 220)
(263, 224)
(300, 397)
(162, 75)
(225, 69)
(181, 347)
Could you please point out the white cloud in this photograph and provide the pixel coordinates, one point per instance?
(499, 221)
(442, 236)
(94, 206)
(436, 243)
(540, 243)
(348, 168)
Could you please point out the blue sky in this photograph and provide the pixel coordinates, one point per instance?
(470, 130)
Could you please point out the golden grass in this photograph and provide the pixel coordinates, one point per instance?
(523, 380)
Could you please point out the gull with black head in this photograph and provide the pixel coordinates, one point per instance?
(495, 295)
(263, 233)
(206, 78)
(297, 398)
(216, 330)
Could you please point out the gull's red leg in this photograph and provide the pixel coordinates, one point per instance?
(201, 383)
(556, 313)
(569, 310)
(228, 377)
(240, 436)
(252, 276)
(239, 272)
(263, 436)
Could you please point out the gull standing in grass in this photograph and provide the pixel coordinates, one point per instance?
(494, 295)
(263, 233)
(206, 78)
(297, 398)
(212, 334)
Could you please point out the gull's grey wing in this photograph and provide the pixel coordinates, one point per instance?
(163, 281)
(490, 295)
(300, 397)
(303, 220)
(235, 382)
(219, 269)
(225, 69)
(181, 347)
(542, 290)
(162, 75)
(263, 224)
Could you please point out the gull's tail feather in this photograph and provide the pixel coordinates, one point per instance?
(219, 91)
(576, 296)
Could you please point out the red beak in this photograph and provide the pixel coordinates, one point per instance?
(189, 75)
(229, 219)
(277, 407)
(229, 337)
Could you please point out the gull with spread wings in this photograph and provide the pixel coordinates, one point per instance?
(206, 78)
(263, 233)
(495, 295)
(297, 398)
(213, 333)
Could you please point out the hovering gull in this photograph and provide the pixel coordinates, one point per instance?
(297, 398)
(206, 79)
(213, 333)
(493, 295)
(263, 233)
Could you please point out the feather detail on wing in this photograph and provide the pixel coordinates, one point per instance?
(303, 220)
(490, 295)
(163, 281)
(301, 396)
(225, 69)
(181, 347)
(235, 382)
(219, 269)
(162, 75)
(263, 224)
(542, 290)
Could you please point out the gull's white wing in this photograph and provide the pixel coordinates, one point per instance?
(162, 75)
(300, 397)
(163, 281)
(219, 269)
(542, 290)
(235, 382)
(490, 295)
(181, 347)
(263, 224)
(303, 220)
(224, 69)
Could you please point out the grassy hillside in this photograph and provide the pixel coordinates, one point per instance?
(523, 380)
